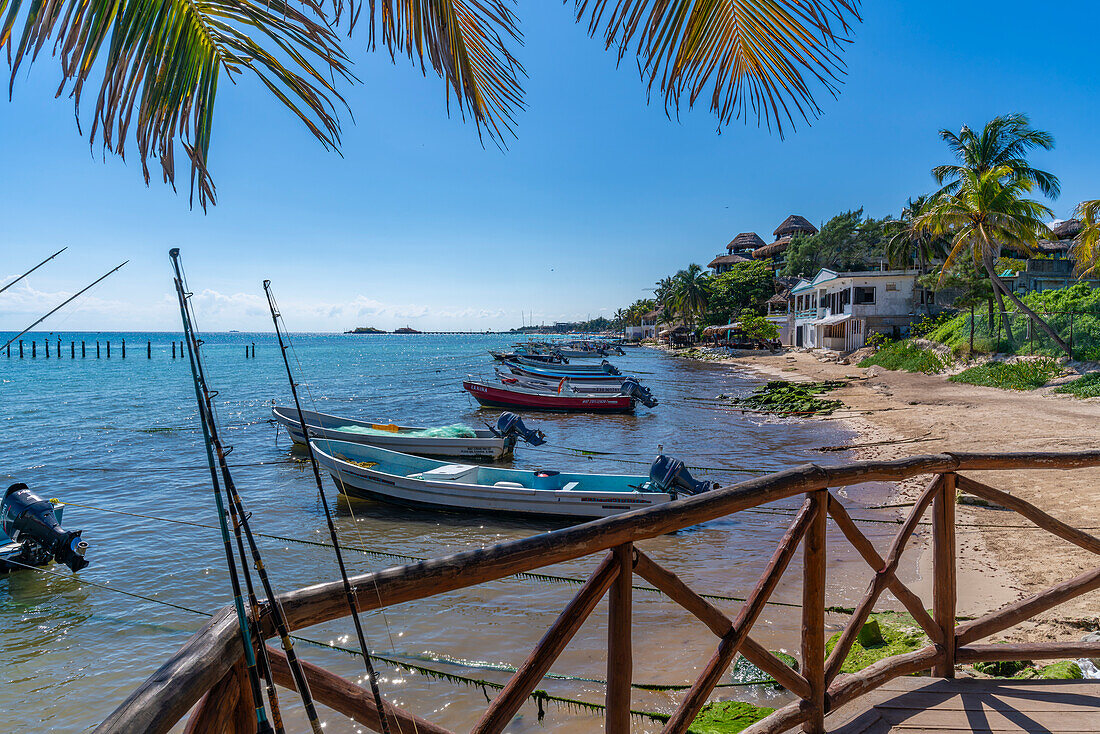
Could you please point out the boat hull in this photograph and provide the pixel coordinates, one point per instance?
(543, 372)
(484, 447)
(459, 495)
(502, 397)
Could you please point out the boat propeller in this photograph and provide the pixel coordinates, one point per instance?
(610, 368)
(510, 425)
(672, 476)
(639, 392)
(28, 519)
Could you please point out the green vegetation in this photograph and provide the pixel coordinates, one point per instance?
(848, 241)
(1063, 670)
(904, 355)
(899, 635)
(1003, 668)
(744, 286)
(1025, 375)
(727, 717)
(780, 396)
(1086, 386)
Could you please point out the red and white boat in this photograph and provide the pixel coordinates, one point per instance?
(514, 396)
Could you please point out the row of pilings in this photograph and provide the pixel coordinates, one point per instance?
(101, 350)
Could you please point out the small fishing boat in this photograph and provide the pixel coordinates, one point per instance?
(542, 358)
(514, 396)
(31, 532)
(556, 384)
(603, 368)
(488, 444)
(372, 473)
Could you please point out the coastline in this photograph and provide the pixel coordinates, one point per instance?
(896, 414)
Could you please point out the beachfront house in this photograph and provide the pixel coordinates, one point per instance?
(839, 310)
(646, 330)
(739, 250)
(1053, 268)
(791, 227)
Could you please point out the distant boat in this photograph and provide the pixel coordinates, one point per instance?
(479, 445)
(514, 396)
(373, 473)
(406, 330)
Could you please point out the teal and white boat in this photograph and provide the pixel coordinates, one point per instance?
(374, 473)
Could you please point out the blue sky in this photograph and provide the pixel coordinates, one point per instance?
(600, 195)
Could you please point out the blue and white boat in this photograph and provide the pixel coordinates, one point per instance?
(372, 473)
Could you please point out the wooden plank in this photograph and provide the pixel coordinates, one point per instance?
(1027, 651)
(863, 546)
(989, 717)
(619, 662)
(813, 611)
(244, 713)
(882, 578)
(696, 697)
(671, 585)
(1028, 607)
(509, 700)
(849, 687)
(345, 697)
(1031, 512)
(944, 589)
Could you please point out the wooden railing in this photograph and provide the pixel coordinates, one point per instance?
(206, 671)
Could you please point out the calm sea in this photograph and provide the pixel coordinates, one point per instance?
(121, 436)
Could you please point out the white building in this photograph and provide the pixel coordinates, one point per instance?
(648, 329)
(840, 310)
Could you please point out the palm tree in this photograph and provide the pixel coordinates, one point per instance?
(691, 291)
(162, 60)
(989, 209)
(1086, 245)
(1004, 142)
(908, 242)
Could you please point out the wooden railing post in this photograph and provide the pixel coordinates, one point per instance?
(944, 589)
(619, 660)
(813, 611)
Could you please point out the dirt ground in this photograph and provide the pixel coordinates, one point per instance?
(902, 414)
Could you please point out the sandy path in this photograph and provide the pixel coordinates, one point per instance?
(997, 564)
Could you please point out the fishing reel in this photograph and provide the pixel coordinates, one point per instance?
(639, 392)
(672, 476)
(510, 426)
(610, 368)
(30, 520)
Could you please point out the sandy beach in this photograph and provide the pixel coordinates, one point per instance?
(1002, 557)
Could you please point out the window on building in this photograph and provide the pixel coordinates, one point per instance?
(864, 295)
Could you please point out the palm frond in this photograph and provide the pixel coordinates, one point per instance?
(466, 43)
(1086, 245)
(748, 57)
(161, 61)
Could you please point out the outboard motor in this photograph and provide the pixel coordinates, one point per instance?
(639, 392)
(510, 426)
(558, 357)
(28, 519)
(609, 368)
(672, 476)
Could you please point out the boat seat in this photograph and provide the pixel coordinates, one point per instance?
(447, 472)
(509, 485)
(568, 486)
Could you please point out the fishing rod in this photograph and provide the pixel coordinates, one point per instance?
(36, 267)
(349, 592)
(241, 521)
(262, 724)
(67, 301)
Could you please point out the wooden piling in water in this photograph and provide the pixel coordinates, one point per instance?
(20, 349)
(59, 347)
(124, 349)
(97, 348)
(47, 343)
(83, 350)
(108, 349)
(72, 350)
(34, 350)
(253, 350)
(173, 349)
(148, 350)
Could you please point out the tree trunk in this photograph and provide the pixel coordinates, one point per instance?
(998, 289)
(997, 284)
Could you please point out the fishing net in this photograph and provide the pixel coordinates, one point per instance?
(455, 430)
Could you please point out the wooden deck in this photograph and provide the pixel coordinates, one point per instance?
(913, 705)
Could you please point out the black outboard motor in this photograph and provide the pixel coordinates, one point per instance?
(610, 368)
(510, 426)
(639, 392)
(28, 519)
(673, 477)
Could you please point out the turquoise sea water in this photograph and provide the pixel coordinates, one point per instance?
(123, 435)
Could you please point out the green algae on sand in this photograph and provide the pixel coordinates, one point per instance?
(900, 634)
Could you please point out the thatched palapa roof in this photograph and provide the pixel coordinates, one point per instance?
(1067, 230)
(793, 225)
(727, 260)
(745, 241)
(775, 248)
